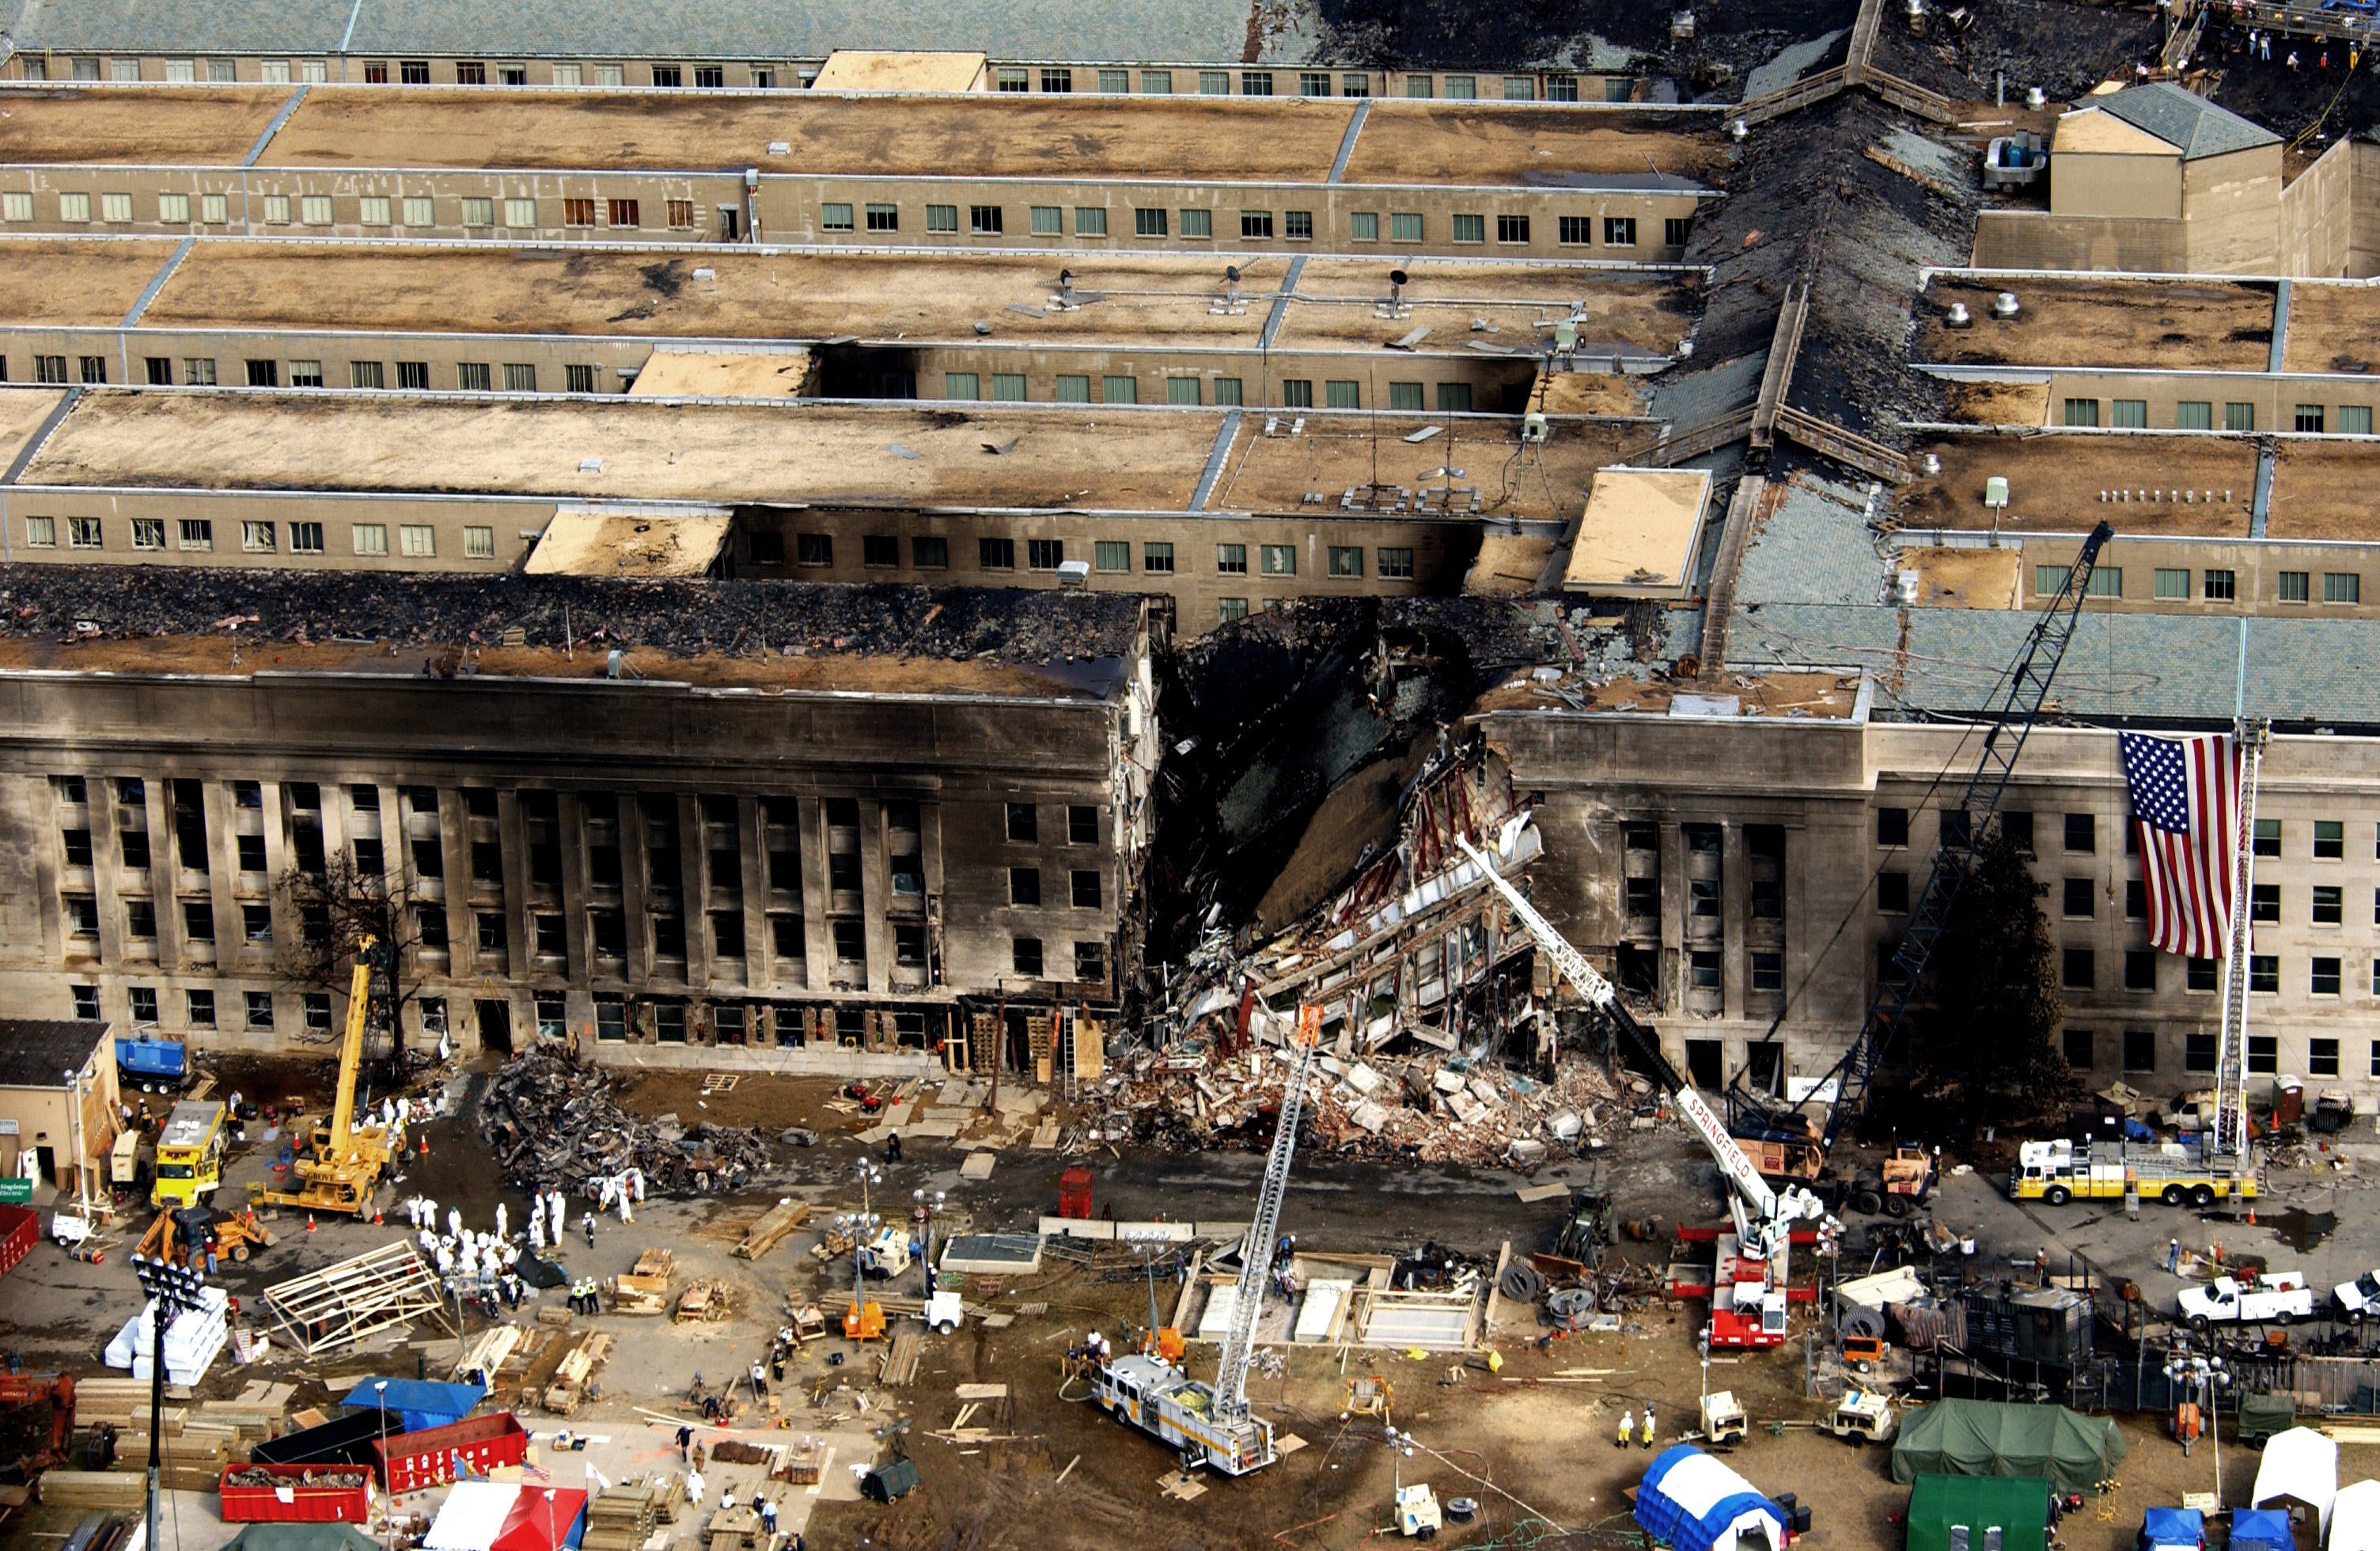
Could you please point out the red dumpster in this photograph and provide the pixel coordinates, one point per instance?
(436, 1456)
(1074, 1194)
(296, 1495)
(21, 1229)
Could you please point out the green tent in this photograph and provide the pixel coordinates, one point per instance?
(1993, 1437)
(302, 1537)
(2018, 1506)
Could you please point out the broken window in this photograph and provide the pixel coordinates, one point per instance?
(1091, 962)
(910, 945)
(850, 943)
(1025, 955)
(669, 936)
(1024, 886)
(727, 933)
(1023, 823)
(1086, 888)
(785, 936)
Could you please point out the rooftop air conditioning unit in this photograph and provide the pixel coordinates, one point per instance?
(1073, 573)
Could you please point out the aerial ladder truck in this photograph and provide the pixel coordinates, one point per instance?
(1791, 1143)
(1748, 1288)
(1211, 1423)
(339, 1164)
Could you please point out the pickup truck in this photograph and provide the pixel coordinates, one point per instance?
(2277, 1295)
(2360, 1299)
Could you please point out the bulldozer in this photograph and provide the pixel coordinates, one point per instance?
(339, 1166)
(181, 1231)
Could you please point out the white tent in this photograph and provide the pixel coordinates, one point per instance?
(1697, 1504)
(2355, 1518)
(2299, 1471)
(472, 1516)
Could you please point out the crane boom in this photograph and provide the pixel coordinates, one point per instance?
(351, 1050)
(1256, 1260)
(2231, 1061)
(1761, 1216)
(2019, 700)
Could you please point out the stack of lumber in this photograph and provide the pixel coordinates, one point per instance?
(491, 1349)
(774, 1224)
(620, 1518)
(200, 1439)
(705, 1300)
(800, 1464)
(123, 1490)
(574, 1375)
(901, 1357)
(646, 1289)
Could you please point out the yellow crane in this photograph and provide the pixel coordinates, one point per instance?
(340, 1164)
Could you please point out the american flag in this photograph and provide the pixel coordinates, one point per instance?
(2186, 798)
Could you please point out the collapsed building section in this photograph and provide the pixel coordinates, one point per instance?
(834, 828)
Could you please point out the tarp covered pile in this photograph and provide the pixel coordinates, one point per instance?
(192, 1339)
(1994, 1437)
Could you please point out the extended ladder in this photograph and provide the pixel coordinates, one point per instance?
(2231, 1060)
(1257, 1256)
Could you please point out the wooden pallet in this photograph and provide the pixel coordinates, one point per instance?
(900, 1358)
(774, 1224)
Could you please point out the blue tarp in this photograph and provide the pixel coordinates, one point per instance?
(2262, 1528)
(1697, 1504)
(2173, 1527)
(421, 1405)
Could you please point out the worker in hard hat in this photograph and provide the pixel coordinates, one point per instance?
(1645, 1433)
(1627, 1426)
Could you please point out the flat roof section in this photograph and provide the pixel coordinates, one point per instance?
(1360, 463)
(781, 372)
(22, 410)
(619, 544)
(153, 126)
(2332, 327)
(848, 69)
(77, 284)
(795, 635)
(2322, 489)
(646, 451)
(1406, 141)
(2055, 482)
(1639, 533)
(994, 135)
(759, 295)
(2193, 324)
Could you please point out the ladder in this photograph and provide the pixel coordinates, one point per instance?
(1256, 1256)
(2231, 1061)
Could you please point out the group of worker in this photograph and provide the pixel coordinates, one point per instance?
(583, 1296)
(1629, 1424)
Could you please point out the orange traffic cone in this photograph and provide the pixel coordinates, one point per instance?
(375, 1216)
(309, 1222)
(425, 1146)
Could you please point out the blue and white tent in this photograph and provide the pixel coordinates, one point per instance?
(1697, 1504)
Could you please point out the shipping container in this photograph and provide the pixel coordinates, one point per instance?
(409, 1461)
(298, 1495)
(21, 1229)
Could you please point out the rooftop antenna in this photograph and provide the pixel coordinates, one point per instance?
(1395, 306)
(1232, 285)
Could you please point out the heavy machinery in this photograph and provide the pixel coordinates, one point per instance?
(28, 1443)
(190, 1154)
(1748, 1289)
(340, 1164)
(2060, 1171)
(1799, 1142)
(182, 1231)
(1723, 1421)
(1864, 1417)
(1210, 1422)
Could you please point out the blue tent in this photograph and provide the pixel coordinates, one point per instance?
(2262, 1528)
(418, 1405)
(1697, 1504)
(2173, 1527)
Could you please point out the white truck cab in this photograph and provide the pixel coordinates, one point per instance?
(2276, 1295)
(2360, 1299)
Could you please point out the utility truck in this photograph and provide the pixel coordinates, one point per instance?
(2276, 1295)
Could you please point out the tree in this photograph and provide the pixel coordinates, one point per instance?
(337, 909)
(1986, 1053)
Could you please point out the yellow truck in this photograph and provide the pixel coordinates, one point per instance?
(190, 1154)
(2177, 1174)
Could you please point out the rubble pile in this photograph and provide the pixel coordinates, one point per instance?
(733, 618)
(553, 1124)
(259, 1475)
(1428, 1108)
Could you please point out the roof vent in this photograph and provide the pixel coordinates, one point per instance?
(1904, 588)
(1740, 130)
(1960, 316)
(1933, 465)
(2036, 99)
(2005, 308)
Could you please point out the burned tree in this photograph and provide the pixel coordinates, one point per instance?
(338, 906)
(1987, 1052)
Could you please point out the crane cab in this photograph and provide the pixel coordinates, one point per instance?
(1165, 1403)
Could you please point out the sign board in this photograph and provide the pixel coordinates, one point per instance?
(16, 1190)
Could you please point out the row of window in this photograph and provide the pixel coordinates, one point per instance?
(417, 211)
(415, 540)
(1256, 225)
(199, 371)
(1296, 393)
(199, 1008)
(929, 552)
(1556, 87)
(2081, 833)
(2201, 1052)
(2216, 585)
(2132, 414)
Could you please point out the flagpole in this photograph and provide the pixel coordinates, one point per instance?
(2240, 685)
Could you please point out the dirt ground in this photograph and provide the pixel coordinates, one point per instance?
(76, 283)
(156, 126)
(2321, 490)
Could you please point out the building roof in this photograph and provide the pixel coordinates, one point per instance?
(1157, 31)
(39, 1052)
(2186, 120)
(900, 456)
(958, 642)
(1639, 533)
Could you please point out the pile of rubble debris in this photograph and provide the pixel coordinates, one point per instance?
(553, 1124)
(1429, 1109)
